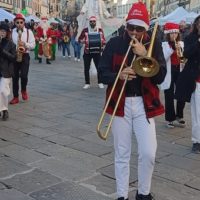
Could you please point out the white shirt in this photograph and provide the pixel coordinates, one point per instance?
(30, 44)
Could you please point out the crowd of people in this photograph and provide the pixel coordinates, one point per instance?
(176, 51)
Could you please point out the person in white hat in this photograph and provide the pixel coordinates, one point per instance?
(139, 104)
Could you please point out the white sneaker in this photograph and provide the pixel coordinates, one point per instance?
(75, 59)
(86, 86)
(101, 85)
(63, 56)
(79, 60)
(69, 56)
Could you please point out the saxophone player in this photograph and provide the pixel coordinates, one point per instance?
(7, 59)
(25, 41)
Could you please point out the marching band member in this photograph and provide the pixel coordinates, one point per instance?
(94, 40)
(188, 84)
(25, 41)
(7, 60)
(172, 48)
(65, 35)
(35, 33)
(53, 33)
(139, 103)
(44, 41)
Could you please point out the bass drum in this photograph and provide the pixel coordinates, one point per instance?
(94, 40)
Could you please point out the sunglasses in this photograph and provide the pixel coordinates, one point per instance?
(19, 22)
(92, 21)
(137, 28)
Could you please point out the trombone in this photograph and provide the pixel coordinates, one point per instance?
(145, 66)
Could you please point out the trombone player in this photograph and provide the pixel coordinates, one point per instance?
(138, 106)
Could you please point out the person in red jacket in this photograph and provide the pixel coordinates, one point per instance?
(94, 40)
(44, 41)
(139, 104)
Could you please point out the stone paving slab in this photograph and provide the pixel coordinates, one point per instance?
(81, 159)
(32, 181)
(2, 186)
(62, 139)
(4, 143)
(31, 142)
(173, 148)
(64, 170)
(182, 163)
(163, 189)
(10, 167)
(38, 132)
(102, 184)
(95, 139)
(12, 194)
(9, 134)
(91, 148)
(50, 149)
(109, 172)
(22, 154)
(173, 174)
(67, 191)
(194, 183)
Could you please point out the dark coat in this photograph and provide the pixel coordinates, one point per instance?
(7, 58)
(186, 82)
(109, 65)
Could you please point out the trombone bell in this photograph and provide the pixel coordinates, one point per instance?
(146, 66)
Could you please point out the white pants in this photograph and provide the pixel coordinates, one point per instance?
(195, 112)
(122, 128)
(4, 92)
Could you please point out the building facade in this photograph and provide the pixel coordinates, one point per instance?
(7, 5)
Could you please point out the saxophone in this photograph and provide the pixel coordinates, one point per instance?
(20, 48)
(179, 52)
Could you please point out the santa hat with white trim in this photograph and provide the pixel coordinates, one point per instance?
(170, 27)
(138, 15)
(92, 18)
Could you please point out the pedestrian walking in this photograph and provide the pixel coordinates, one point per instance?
(7, 60)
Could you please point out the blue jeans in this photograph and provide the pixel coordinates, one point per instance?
(66, 46)
(77, 48)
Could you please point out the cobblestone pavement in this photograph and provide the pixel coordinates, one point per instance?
(49, 149)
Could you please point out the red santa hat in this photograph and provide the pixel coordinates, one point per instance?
(171, 28)
(138, 15)
(92, 18)
(44, 18)
(19, 16)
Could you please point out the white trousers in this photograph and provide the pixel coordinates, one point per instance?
(195, 112)
(122, 129)
(4, 92)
